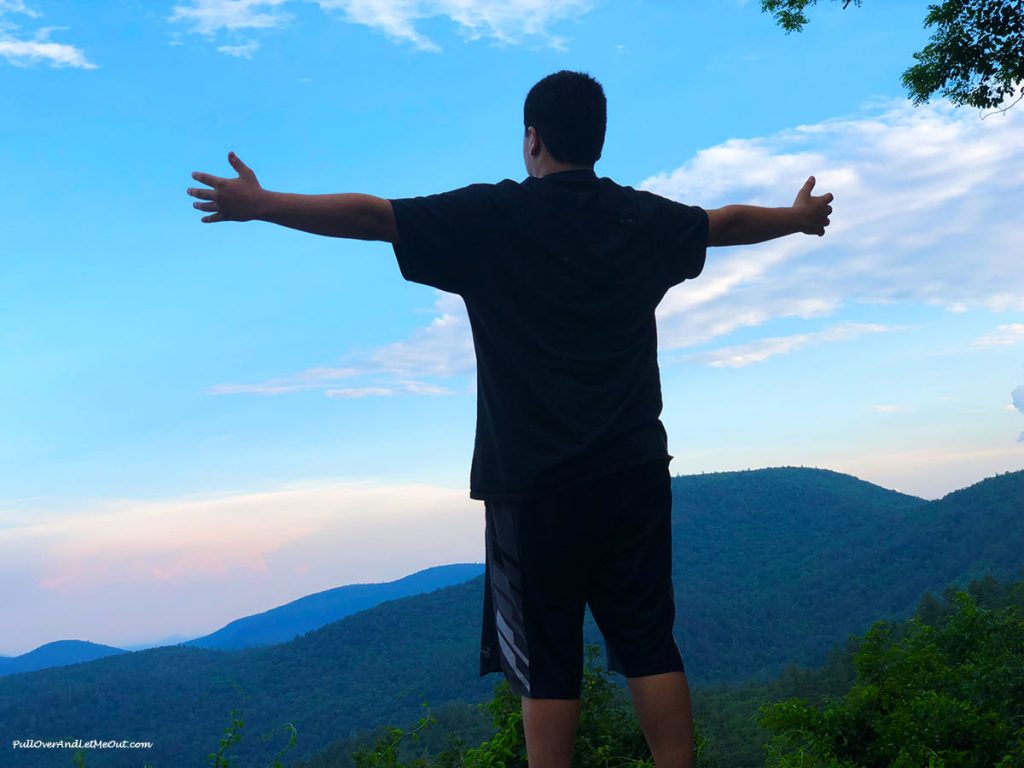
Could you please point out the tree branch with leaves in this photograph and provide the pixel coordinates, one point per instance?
(975, 56)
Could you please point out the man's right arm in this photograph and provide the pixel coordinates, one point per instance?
(748, 224)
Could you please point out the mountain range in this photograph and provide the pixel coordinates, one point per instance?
(276, 625)
(772, 567)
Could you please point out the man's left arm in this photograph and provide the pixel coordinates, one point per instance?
(749, 224)
(346, 214)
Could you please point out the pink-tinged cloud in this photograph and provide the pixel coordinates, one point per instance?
(129, 570)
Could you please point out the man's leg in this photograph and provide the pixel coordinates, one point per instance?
(550, 726)
(662, 704)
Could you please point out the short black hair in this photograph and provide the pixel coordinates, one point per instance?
(569, 111)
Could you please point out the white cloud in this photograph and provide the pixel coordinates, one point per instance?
(17, 6)
(1011, 333)
(208, 16)
(414, 387)
(441, 350)
(158, 539)
(1017, 396)
(242, 51)
(924, 212)
(889, 408)
(22, 52)
(929, 472)
(505, 21)
(758, 351)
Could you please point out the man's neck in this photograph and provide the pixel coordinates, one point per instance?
(554, 167)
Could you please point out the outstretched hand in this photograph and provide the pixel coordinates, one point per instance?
(238, 199)
(814, 209)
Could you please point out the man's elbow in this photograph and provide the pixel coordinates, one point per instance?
(720, 225)
(380, 220)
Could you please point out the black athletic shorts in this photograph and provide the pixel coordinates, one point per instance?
(607, 543)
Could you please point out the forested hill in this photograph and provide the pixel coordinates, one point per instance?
(772, 567)
(54, 654)
(284, 622)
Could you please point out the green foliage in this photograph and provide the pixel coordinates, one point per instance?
(944, 689)
(944, 696)
(791, 14)
(232, 735)
(384, 754)
(608, 736)
(975, 56)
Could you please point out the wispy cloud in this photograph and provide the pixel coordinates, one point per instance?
(924, 212)
(1017, 404)
(241, 51)
(209, 16)
(1011, 333)
(914, 469)
(442, 350)
(214, 557)
(889, 408)
(758, 351)
(23, 52)
(507, 22)
(413, 387)
(208, 535)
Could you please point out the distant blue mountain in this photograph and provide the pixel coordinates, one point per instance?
(56, 654)
(166, 640)
(288, 621)
(278, 625)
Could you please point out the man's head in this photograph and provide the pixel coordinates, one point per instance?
(565, 116)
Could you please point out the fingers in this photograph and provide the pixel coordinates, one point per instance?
(212, 218)
(206, 178)
(808, 185)
(828, 198)
(205, 194)
(238, 165)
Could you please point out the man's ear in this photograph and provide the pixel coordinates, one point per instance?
(535, 146)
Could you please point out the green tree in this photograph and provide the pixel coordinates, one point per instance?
(945, 696)
(974, 57)
(609, 734)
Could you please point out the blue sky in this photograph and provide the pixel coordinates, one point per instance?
(222, 417)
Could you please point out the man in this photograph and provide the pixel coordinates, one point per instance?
(560, 274)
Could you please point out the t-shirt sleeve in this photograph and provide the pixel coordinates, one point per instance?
(684, 232)
(441, 237)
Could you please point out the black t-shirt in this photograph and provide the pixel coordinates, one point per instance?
(560, 276)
